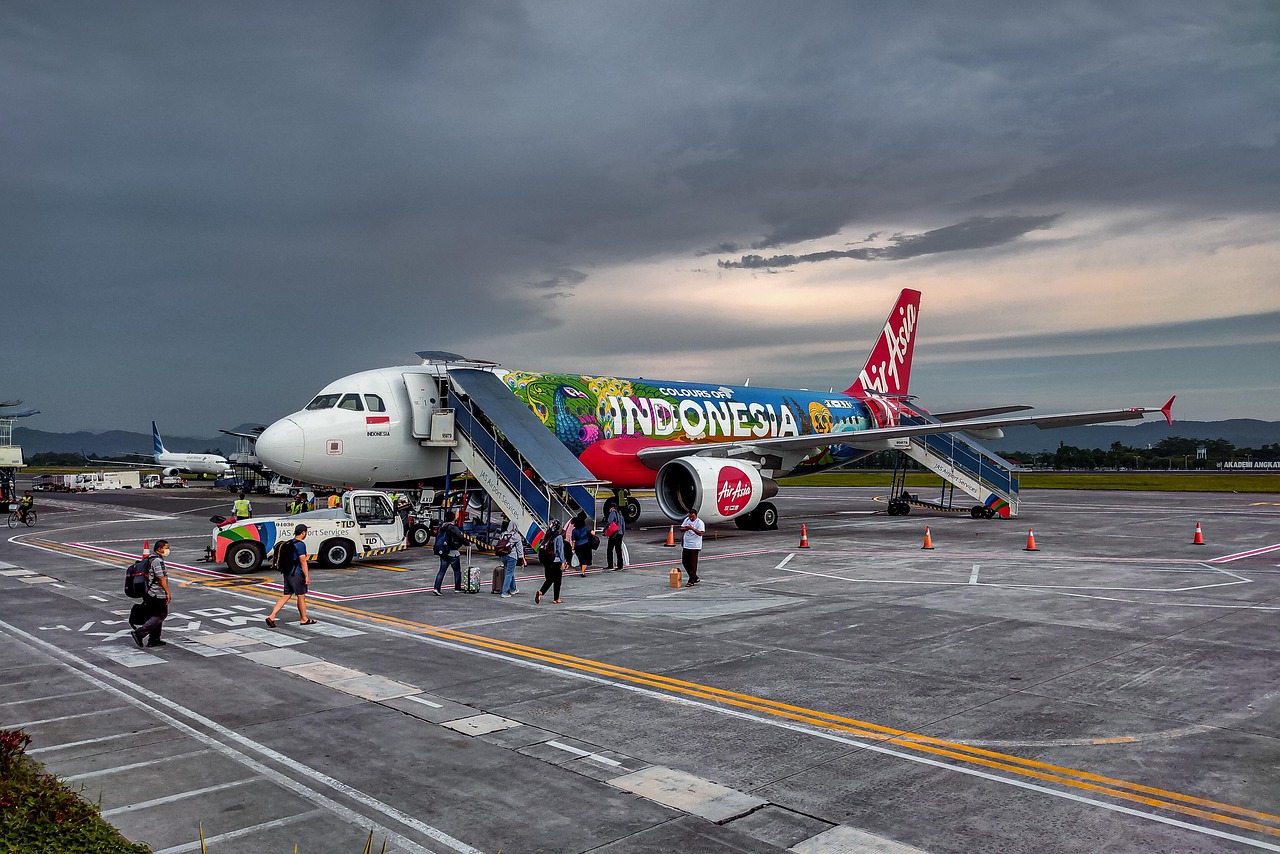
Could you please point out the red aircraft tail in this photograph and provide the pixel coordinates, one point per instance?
(888, 369)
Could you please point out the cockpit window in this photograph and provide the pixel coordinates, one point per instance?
(374, 403)
(352, 402)
(324, 401)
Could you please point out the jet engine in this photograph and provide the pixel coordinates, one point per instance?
(718, 489)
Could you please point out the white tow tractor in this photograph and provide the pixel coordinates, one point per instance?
(363, 525)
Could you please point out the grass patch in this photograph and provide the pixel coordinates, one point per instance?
(38, 812)
(1147, 481)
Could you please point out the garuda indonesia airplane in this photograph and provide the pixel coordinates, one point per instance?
(718, 448)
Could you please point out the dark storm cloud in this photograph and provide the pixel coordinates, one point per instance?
(975, 233)
(180, 179)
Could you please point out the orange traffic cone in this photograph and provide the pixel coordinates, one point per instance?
(146, 547)
(1199, 540)
(928, 540)
(1031, 541)
(804, 536)
(671, 537)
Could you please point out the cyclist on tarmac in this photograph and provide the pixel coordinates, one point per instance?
(24, 504)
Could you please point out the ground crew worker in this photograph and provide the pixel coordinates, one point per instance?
(295, 506)
(334, 500)
(242, 509)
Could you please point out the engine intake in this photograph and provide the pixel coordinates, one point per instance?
(718, 489)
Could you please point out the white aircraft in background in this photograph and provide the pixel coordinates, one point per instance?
(717, 448)
(171, 462)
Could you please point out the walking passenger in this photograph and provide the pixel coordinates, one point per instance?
(614, 528)
(155, 598)
(582, 536)
(551, 555)
(448, 545)
(291, 561)
(511, 539)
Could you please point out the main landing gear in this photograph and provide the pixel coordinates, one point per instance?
(763, 518)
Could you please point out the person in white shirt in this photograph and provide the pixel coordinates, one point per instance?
(693, 528)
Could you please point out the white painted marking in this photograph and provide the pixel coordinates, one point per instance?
(168, 799)
(973, 576)
(16, 572)
(97, 598)
(786, 560)
(88, 775)
(65, 745)
(150, 702)
(586, 754)
(76, 716)
(244, 831)
(41, 699)
(424, 702)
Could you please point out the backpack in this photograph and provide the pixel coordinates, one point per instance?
(547, 550)
(135, 578)
(286, 557)
(442, 543)
(505, 545)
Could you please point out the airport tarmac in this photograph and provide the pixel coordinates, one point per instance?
(1113, 690)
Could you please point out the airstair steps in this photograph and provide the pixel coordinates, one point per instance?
(961, 461)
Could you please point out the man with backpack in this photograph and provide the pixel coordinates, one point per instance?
(448, 547)
(291, 563)
(155, 597)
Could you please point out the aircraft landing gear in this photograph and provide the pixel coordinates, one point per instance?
(763, 518)
(899, 508)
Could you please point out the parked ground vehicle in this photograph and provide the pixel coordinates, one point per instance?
(363, 525)
(157, 481)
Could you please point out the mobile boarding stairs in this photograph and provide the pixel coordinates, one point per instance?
(961, 463)
(491, 434)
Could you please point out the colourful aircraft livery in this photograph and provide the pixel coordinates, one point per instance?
(583, 410)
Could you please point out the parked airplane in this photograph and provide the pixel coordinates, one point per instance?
(172, 463)
(716, 447)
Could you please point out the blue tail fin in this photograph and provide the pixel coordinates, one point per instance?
(155, 439)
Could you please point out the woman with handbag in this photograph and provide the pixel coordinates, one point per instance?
(614, 528)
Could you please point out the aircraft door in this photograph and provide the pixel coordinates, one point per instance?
(423, 395)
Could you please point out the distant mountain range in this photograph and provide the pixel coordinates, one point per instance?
(115, 443)
(1241, 432)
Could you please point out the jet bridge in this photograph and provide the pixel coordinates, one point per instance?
(519, 462)
(963, 464)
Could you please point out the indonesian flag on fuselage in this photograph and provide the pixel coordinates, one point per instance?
(377, 419)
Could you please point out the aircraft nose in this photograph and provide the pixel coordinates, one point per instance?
(281, 447)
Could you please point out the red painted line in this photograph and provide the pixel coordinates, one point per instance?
(1251, 553)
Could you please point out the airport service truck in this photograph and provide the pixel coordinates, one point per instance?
(363, 525)
(157, 481)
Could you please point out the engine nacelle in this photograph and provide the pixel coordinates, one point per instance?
(718, 489)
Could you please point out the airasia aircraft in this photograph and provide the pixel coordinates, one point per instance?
(718, 448)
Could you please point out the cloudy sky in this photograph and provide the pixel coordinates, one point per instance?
(209, 210)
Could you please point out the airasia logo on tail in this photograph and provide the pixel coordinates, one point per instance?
(733, 491)
(888, 370)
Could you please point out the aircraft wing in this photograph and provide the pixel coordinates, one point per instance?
(96, 462)
(874, 439)
(252, 437)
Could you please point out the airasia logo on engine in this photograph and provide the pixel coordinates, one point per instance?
(733, 491)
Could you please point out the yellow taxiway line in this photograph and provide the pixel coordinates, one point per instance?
(1163, 799)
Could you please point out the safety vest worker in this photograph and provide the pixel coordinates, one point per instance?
(334, 500)
(242, 509)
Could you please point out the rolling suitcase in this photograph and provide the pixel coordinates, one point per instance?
(471, 579)
(499, 575)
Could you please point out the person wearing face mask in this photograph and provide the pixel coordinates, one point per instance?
(155, 598)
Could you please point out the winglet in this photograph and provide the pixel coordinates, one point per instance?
(1167, 410)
